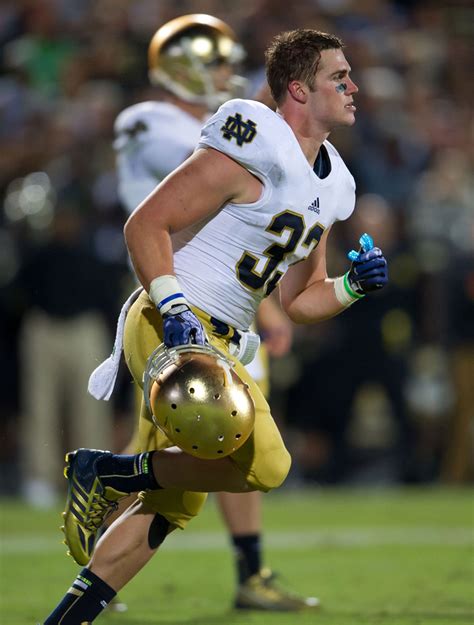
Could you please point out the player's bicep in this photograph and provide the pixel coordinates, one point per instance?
(300, 276)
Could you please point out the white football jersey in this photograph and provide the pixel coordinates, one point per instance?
(152, 139)
(227, 264)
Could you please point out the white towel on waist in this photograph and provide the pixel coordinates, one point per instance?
(102, 379)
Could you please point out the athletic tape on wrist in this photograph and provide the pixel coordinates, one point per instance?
(345, 295)
(165, 292)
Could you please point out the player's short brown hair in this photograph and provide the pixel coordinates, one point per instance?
(295, 55)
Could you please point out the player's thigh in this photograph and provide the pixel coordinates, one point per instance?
(143, 333)
(263, 457)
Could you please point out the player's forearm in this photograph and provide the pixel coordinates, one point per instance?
(315, 303)
(150, 249)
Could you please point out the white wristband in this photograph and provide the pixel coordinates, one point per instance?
(165, 292)
(345, 295)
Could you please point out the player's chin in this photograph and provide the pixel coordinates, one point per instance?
(348, 118)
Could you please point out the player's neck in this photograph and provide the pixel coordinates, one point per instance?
(308, 134)
(199, 111)
(310, 146)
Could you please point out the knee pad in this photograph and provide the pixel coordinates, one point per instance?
(158, 531)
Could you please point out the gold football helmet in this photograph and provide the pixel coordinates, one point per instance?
(185, 55)
(199, 402)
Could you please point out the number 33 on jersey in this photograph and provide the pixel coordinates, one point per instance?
(244, 250)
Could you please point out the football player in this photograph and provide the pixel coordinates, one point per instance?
(250, 210)
(193, 63)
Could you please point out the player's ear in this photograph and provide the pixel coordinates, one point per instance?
(298, 91)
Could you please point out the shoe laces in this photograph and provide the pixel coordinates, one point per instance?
(98, 510)
(268, 576)
(269, 580)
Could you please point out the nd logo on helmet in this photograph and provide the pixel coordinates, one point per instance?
(235, 128)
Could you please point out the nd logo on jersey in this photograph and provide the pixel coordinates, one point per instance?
(235, 128)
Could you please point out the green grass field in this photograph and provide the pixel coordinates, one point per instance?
(392, 557)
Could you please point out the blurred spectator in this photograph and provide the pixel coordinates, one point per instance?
(65, 294)
(441, 221)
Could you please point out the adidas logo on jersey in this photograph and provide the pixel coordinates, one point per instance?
(314, 206)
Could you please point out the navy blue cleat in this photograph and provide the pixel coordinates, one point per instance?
(88, 503)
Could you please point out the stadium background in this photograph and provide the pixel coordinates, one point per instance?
(379, 396)
(376, 517)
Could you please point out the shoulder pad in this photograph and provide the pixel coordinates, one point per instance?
(249, 132)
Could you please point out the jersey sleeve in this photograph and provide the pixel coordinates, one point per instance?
(242, 129)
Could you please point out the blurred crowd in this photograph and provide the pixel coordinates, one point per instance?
(380, 395)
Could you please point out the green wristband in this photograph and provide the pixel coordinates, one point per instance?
(350, 290)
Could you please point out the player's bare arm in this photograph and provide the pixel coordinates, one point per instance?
(196, 190)
(307, 294)
(274, 327)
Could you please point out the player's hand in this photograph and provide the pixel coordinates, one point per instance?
(368, 270)
(181, 327)
(278, 340)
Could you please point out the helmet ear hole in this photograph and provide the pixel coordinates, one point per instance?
(212, 412)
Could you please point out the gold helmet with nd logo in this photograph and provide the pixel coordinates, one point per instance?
(195, 57)
(196, 398)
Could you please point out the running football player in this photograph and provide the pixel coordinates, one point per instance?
(232, 223)
(193, 63)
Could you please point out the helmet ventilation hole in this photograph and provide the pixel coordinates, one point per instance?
(234, 413)
(238, 435)
(192, 390)
(220, 438)
(195, 447)
(217, 396)
(177, 430)
(219, 451)
(174, 406)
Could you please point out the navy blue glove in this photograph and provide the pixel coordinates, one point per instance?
(181, 327)
(368, 270)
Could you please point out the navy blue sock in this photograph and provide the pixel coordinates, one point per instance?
(83, 602)
(248, 552)
(127, 474)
